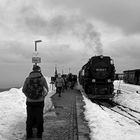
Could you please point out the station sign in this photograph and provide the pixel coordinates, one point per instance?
(36, 59)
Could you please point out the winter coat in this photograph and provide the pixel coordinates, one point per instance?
(59, 82)
(43, 83)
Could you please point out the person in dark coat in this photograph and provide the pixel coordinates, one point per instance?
(59, 83)
(35, 106)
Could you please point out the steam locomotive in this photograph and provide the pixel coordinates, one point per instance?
(97, 77)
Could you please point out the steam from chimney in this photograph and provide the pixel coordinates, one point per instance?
(92, 39)
(64, 24)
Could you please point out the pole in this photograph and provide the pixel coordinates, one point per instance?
(62, 72)
(36, 41)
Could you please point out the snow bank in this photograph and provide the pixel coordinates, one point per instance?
(100, 123)
(129, 96)
(109, 126)
(13, 112)
(48, 103)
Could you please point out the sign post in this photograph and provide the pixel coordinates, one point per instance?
(36, 59)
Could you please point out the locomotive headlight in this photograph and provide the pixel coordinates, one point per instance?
(93, 80)
(109, 80)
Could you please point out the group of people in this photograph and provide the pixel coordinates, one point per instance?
(63, 82)
(35, 89)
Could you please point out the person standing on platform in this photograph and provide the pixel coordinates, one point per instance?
(59, 83)
(35, 89)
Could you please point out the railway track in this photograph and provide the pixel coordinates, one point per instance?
(124, 91)
(124, 111)
(127, 108)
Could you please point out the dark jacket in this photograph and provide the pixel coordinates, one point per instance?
(44, 84)
(59, 82)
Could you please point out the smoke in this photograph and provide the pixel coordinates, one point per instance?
(28, 21)
(81, 29)
(62, 24)
(92, 39)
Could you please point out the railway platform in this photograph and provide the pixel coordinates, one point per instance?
(66, 120)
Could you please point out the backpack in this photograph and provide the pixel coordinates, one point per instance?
(59, 82)
(34, 88)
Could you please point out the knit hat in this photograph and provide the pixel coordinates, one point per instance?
(36, 68)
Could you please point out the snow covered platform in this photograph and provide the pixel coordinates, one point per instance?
(66, 120)
(62, 116)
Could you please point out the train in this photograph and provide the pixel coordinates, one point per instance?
(97, 77)
(118, 76)
(132, 76)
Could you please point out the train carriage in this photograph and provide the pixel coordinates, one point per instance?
(132, 76)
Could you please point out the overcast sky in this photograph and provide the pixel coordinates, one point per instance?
(71, 32)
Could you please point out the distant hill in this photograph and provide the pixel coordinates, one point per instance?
(7, 89)
(4, 89)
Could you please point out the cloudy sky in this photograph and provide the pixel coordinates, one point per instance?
(71, 32)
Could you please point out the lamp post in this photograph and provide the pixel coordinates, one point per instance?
(36, 59)
(37, 41)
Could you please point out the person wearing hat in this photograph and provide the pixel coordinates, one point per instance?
(35, 104)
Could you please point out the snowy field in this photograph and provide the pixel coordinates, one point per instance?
(13, 112)
(108, 125)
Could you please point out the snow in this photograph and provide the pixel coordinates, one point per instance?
(130, 95)
(13, 112)
(108, 125)
(104, 124)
